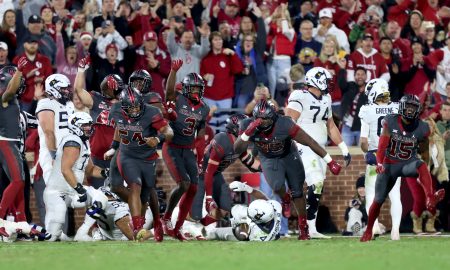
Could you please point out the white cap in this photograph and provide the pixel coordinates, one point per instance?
(326, 12)
(3, 46)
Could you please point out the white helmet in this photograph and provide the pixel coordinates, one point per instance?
(320, 78)
(58, 87)
(376, 88)
(80, 124)
(261, 211)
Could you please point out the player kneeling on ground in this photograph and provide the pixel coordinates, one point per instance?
(72, 162)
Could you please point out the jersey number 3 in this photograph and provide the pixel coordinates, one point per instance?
(190, 128)
(317, 109)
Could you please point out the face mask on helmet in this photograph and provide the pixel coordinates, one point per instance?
(410, 111)
(87, 130)
(141, 80)
(267, 113)
(132, 103)
(66, 93)
(193, 87)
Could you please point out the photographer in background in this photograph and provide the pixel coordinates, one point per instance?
(355, 214)
(261, 92)
(444, 128)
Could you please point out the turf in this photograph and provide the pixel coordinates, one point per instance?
(337, 253)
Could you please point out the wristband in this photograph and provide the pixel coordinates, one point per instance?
(344, 148)
(245, 137)
(53, 154)
(327, 158)
(115, 145)
(161, 138)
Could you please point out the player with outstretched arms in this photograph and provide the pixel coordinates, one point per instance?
(371, 115)
(273, 136)
(311, 109)
(402, 137)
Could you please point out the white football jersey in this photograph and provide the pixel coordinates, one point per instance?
(57, 180)
(114, 211)
(314, 113)
(62, 113)
(372, 115)
(258, 233)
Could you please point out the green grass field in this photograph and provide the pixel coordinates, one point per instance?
(338, 253)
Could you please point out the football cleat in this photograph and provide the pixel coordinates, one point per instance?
(367, 236)
(318, 235)
(303, 231)
(3, 232)
(210, 205)
(141, 235)
(180, 236)
(167, 227)
(434, 199)
(158, 233)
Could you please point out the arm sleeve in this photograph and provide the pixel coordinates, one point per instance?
(288, 32)
(158, 121)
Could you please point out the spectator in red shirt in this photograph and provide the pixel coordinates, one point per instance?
(370, 59)
(179, 9)
(145, 20)
(413, 27)
(218, 68)
(399, 12)
(37, 69)
(393, 62)
(47, 18)
(229, 14)
(401, 46)
(346, 16)
(155, 60)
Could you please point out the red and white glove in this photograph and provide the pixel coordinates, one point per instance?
(84, 64)
(171, 113)
(334, 167)
(251, 129)
(176, 64)
(380, 168)
(23, 61)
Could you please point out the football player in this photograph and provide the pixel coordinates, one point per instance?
(11, 85)
(371, 115)
(52, 113)
(141, 128)
(219, 155)
(402, 136)
(311, 109)
(99, 105)
(71, 164)
(273, 136)
(260, 221)
(9, 231)
(178, 154)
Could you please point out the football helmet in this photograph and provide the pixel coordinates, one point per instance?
(111, 86)
(261, 211)
(233, 123)
(266, 111)
(193, 87)
(58, 86)
(319, 78)
(6, 74)
(410, 107)
(80, 124)
(376, 89)
(141, 80)
(132, 102)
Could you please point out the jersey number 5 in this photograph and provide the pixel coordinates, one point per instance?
(137, 137)
(325, 115)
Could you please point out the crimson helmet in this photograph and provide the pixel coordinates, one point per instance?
(111, 86)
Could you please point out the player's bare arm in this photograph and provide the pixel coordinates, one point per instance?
(295, 115)
(80, 84)
(69, 157)
(240, 146)
(95, 171)
(303, 138)
(171, 80)
(46, 121)
(124, 226)
(335, 136)
(250, 161)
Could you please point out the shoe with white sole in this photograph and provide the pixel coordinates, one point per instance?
(318, 235)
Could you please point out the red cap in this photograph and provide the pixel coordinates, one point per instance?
(232, 3)
(85, 35)
(112, 46)
(150, 36)
(45, 7)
